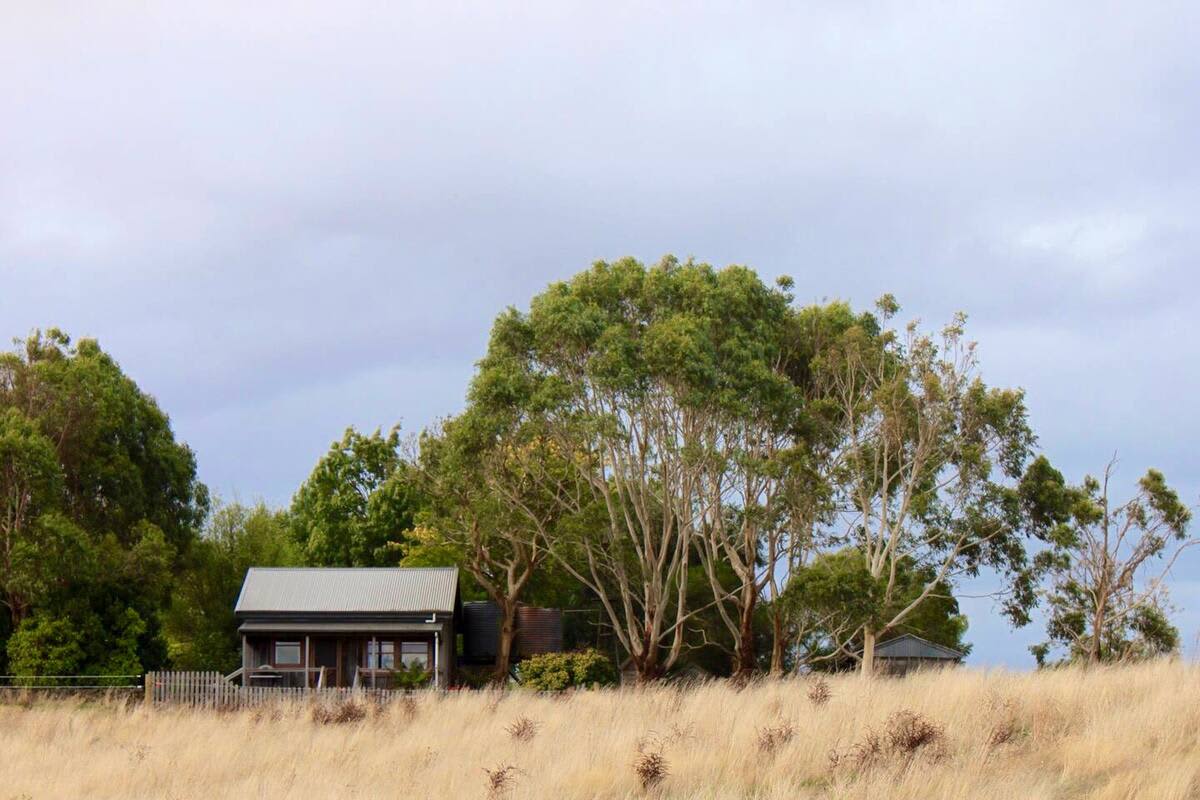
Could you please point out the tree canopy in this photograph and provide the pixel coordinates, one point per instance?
(355, 507)
(100, 504)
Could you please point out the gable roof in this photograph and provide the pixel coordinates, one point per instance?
(907, 645)
(361, 590)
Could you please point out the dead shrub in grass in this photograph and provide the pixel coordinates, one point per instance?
(772, 738)
(909, 732)
(651, 767)
(340, 713)
(862, 755)
(905, 735)
(819, 692)
(501, 780)
(523, 729)
(1003, 732)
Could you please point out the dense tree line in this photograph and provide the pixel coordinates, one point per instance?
(100, 505)
(717, 477)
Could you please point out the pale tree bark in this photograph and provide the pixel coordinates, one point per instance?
(635, 560)
(907, 416)
(1115, 548)
(486, 507)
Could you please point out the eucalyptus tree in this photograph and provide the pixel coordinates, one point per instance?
(769, 448)
(830, 601)
(651, 383)
(489, 508)
(1107, 569)
(927, 469)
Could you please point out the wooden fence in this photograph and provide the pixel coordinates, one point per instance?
(214, 690)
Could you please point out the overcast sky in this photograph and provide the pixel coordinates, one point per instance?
(285, 220)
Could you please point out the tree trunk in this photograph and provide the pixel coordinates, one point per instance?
(868, 654)
(508, 630)
(648, 666)
(776, 642)
(747, 661)
(1094, 652)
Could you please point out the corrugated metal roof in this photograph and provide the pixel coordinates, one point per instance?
(343, 627)
(354, 590)
(910, 646)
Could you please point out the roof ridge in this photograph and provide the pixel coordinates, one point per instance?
(354, 569)
(924, 640)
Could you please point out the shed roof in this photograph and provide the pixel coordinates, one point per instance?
(363, 590)
(909, 646)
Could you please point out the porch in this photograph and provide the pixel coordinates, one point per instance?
(318, 660)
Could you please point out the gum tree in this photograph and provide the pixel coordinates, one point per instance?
(928, 467)
(650, 383)
(1106, 588)
(487, 510)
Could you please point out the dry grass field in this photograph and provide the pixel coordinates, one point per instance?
(1130, 732)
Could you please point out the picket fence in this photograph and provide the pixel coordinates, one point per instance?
(214, 690)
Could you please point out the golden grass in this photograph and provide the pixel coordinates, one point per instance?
(1130, 732)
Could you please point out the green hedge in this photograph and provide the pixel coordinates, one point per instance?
(554, 672)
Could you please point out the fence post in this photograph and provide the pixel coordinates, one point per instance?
(148, 688)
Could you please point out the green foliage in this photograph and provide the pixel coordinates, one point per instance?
(930, 465)
(554, 672)
(830, 601)
(199, 620)
(98, 502)
(632, 373)
(1104, 570)
(490, 509)
(414, 676)
(46, 646)
(355, 507)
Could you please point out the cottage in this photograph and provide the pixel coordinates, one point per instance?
(318, 627)
(906, 653)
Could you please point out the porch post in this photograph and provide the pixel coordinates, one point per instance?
(437, 646)
(307, 660)
(373, 668)
(247, 661)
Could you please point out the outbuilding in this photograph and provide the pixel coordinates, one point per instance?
(907, 652)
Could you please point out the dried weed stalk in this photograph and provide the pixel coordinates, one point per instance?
(523, 729)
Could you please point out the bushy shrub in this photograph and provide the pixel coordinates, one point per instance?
(45, 646)
(553, 672)
(413, 676)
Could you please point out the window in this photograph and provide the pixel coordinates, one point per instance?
(385, 658)
(287, 653)
(414, 653)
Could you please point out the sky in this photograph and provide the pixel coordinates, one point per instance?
(284, 219)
